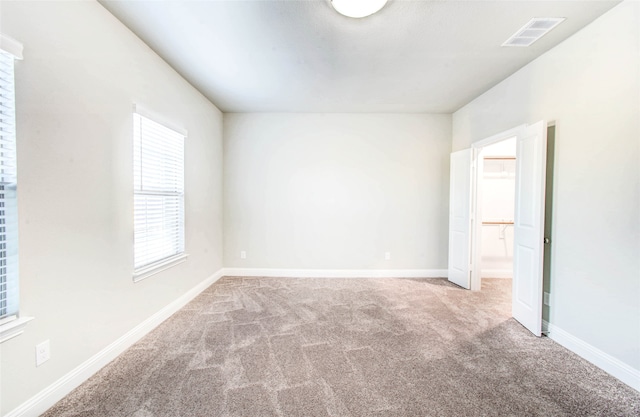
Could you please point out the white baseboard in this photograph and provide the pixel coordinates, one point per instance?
(336, 273)
(606, 362)
(46, 398)
(496, 273)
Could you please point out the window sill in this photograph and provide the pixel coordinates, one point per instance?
(153, 269)
(13, 328)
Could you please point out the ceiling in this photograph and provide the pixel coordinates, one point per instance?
(302, 56)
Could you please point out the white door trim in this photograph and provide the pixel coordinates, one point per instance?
(498, 137)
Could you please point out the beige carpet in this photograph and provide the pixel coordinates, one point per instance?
(348, 347)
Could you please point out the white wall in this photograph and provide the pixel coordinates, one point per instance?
(81, 74)
(336, 191)
(589, 85)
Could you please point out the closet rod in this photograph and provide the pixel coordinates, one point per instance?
(497, 222)
(501, 158)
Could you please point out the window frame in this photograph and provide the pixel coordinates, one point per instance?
(12, 322)
(141, 117)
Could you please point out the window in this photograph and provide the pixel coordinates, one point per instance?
(10, 325)
(158, 173)
(8, 215)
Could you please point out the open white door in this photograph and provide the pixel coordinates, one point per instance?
(529, 226)
(460, 218)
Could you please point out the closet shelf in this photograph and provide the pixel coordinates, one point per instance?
(506, 175)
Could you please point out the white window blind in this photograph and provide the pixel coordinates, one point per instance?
(9, 295)
(158, 173)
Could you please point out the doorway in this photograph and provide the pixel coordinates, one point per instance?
(496, 207)
(466, 219)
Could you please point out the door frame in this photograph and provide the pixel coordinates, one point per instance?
(531, 153)
(476, 200)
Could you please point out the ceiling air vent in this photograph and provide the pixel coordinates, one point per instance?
(533, 30)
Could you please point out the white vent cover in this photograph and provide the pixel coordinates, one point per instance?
(533, 30)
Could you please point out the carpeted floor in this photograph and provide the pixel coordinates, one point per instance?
(348, 347)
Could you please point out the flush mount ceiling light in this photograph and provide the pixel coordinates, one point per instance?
(358, 8)
(533, 30)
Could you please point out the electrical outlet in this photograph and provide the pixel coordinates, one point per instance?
(387, 255)
(545, 297)
(243, 254)
(43, 352)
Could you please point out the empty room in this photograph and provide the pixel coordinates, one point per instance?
(319, 208)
